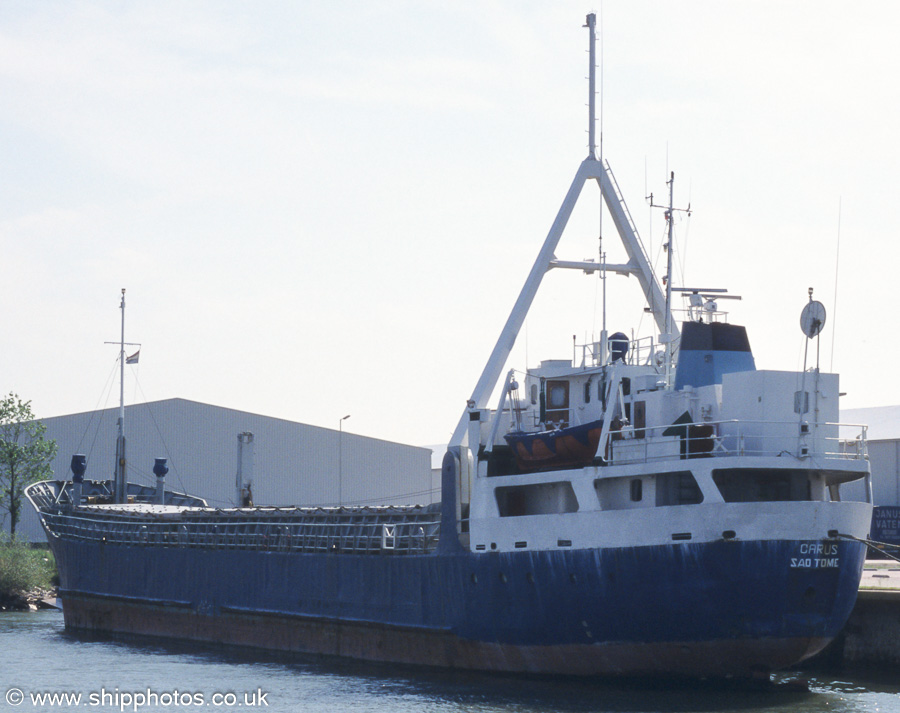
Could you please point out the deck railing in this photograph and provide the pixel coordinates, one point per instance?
(730, 438)
(389, 530)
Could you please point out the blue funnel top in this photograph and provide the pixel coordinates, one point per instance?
(709, 350)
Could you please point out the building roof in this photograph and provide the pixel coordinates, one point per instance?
(178, 402)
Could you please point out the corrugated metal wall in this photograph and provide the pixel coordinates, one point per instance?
(885, 472)
(294, 463)
(885, 464)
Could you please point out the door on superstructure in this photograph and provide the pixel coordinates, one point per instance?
(639, 418)
(558, 402)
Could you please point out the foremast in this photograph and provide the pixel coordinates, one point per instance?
(120, 482)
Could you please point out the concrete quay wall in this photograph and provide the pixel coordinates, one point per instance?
(872, 634)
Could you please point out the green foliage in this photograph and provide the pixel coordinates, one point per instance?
(22, 568)
(24, 454)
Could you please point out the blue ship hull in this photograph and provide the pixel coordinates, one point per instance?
(722, 608)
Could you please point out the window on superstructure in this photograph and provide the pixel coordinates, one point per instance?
(679, 488)
(557, 402)
(559, 395)
(637, 490)
(758, 485)
(801, 402)
(536, 499)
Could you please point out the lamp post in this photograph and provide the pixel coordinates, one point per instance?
(341, 460)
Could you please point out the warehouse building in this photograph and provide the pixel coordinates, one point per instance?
(284, 462)
(883, 437)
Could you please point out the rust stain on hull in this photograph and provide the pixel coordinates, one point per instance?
(374, 642)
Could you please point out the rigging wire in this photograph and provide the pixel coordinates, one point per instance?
(837, 262)
(105, 393)
(172, 465)
(134, 371)
(429, 492)
(682, 254)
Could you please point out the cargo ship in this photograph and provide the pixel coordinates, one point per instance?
(653, 506)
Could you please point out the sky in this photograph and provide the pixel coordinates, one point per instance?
(322, 209)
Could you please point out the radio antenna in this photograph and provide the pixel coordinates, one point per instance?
(837, 262)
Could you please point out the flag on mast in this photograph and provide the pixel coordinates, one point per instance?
(133, 359)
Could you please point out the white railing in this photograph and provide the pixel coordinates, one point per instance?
(641, 352)
(722, 439)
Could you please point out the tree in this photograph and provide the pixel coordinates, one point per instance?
(24, 454)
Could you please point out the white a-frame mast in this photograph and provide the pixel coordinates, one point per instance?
(637, 265)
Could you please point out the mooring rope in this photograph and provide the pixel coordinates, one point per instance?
(881, 547)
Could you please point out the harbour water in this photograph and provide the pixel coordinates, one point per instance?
(45, 668)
